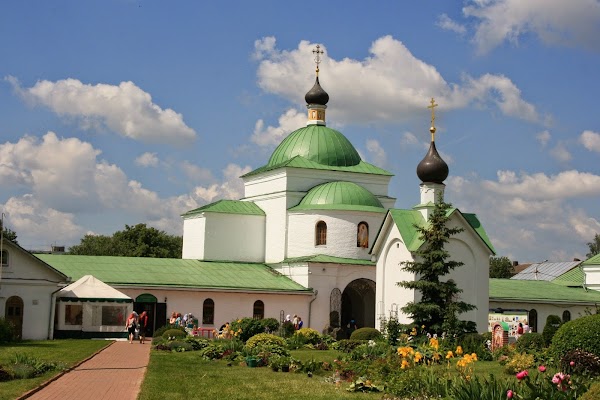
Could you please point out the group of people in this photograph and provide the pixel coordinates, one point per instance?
(296, 321)
(185, 320)
(137, 325)
(522, 329)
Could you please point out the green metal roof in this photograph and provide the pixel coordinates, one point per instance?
(595, 260)
(322, 258)
(301, 162)
(573, 277)
(339, 196)
(317, 143)
(171, 272)
(228, 207)
(406, 220)
(526, 290)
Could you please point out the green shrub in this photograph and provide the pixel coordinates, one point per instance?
(366, 334)
(472, 343)
(247, 327)
(6, 331)
(174, 333)
(581, 333)
(159, 332)
(583, 362)
(553, 322)
(265, 339)
(177, 345)
(519, 362)
(346, 345)
(309, 335)
(530, 343)
(392, 330)
(287, 329)
(593, 393)
(269, 325)
(197, 343)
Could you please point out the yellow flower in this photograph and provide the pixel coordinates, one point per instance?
(474, 356)
(433, 342)
(449, 355)
(459, 350)
(405, 364)
(413, 332)
(436, 356)
(418, 357)
(422, 326)
(405, 351)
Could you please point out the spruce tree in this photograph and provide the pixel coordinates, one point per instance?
(439, 307)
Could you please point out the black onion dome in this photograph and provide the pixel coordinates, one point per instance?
(316, 95)
(432, 168)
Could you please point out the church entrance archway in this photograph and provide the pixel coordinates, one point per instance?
(14, 314)
(358, 303)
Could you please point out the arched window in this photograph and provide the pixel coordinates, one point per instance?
(566, 316)
(208, 312)
(258, 311)
(362, 235)
(321, 234)
(5, 258)
(533, 326)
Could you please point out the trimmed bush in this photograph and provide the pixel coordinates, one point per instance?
(309, 335)
(159, 332)
(269, 325)
(553, 322)
(366, 334)
(247, 327)
(530, 343)
(581, 333)
(174, 333)
(593, 393)
(519, 362)
(265, 339)
(346, 345)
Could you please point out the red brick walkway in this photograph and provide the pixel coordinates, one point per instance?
(116, 373)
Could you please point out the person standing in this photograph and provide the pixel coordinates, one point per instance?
(143, 323)
(130, 325)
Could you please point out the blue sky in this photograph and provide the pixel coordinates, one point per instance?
(121, 112)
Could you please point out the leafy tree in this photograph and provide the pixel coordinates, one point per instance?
(594, 246)
(133, 241)
(501, 267)
(439, 307)
(8, 234)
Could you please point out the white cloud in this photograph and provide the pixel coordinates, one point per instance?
(147, 160)
(555, 22)
(377, 153)
(39, 226)
(543, 137)
(231, 188)
(196, 173)
(125, 109)
(590, 140)
(445, 22)
(560, 153)
(392, 81)
(272, 135)
(409, 138)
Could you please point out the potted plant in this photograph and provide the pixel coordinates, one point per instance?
(250, 357)
(284, 363)
(274, 363)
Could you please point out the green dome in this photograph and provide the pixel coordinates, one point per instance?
(316, 143)
(340, 196)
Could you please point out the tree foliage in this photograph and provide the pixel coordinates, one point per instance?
(8, 234)
(133, 241)
(439, 307)
(501, 267)
(594, 246)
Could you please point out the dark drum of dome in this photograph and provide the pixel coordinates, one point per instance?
(432, 168)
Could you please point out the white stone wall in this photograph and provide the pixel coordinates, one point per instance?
(193, 237)
(341, 233)
(592, 276)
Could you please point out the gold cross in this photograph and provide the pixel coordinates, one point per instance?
(318, 53)
(432, 128)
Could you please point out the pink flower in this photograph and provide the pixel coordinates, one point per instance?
(558, 378)
(542, 368)
(572, 363)
(521, 375)
(509, 394)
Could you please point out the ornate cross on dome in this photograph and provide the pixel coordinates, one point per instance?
(318, 53)
(432, 128)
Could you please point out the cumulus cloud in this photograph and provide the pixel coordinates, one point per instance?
(395, 84)
(271, 136)
(560, 152)
(445, 22)
(196, 173)
(125, 109)
(377, 153)
(591, 141)
(525, 224)
(555, 22)
(231, 188)
(409, 138)
(147, 160)
(543, 138)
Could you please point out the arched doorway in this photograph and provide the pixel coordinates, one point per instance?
(157, 312)
(14, 314)
(358, 303)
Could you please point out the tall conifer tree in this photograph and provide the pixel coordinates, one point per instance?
(439, 306)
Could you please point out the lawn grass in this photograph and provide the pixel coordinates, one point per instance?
(174, 376)
(67, 352)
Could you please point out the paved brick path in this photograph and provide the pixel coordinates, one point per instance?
(116, 373)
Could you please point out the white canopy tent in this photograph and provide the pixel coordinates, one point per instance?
(90, 308)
